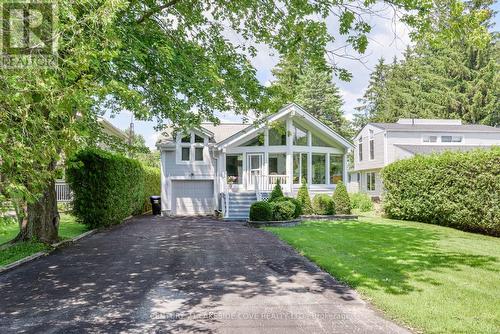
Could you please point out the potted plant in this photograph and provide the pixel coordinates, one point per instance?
(230, 181)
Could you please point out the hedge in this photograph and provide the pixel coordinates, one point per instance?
(283, 210)
(361, 202)
(261, 211)
(108, 187)
(152, 185)
(323, 205)
(298, 205)
(456, 189)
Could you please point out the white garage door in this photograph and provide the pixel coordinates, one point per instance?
(192, 197)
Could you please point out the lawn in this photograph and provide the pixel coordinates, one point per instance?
(68, 228)
(431, 278)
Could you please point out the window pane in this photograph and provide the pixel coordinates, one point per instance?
(456, 139)
(360, 151)
(446, 139)
(372, 149)
(185, 153)
(257, 141)
(430, 139)
(198, 154)
(296, 168)
(277, 164)
(373, 181)
(299, 135)
(198, 139)
(368, 182)
(303, 169)
(277, 134)
(186, 138)
(336, 168)
(316, 141)
(234, 167)
(319, 168)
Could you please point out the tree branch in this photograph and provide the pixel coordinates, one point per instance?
(153, 11)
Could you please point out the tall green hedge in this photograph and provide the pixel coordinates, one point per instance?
(456, 189)
(108, 187)
(152, 185)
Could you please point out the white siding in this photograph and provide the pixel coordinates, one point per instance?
(378, 159)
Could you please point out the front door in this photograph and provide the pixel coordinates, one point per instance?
(255, 164)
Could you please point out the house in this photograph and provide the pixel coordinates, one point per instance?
(379, 144)
(226, 167)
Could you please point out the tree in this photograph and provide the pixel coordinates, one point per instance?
(158, 59)
(304, 199)
(341, 199)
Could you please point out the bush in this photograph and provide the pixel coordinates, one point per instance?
(283, 210)
(361, 201)
(323, 205)
(298, 205)
(106, 187)
(304, 199)
(152, 185)
(457, 189)
(341, 199)
(261, 211)
(276, 193)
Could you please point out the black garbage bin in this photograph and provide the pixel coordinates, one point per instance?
(156, 204)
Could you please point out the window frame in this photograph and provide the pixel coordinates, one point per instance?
(360, 149)
(192, 146)
(370, 181)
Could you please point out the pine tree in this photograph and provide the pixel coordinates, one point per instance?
(304, 199)
(341, 199)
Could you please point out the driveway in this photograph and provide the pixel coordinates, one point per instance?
(180, 275)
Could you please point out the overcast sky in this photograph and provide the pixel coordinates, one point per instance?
(388, 38)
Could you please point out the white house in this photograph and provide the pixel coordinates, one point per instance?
(379, 144)
(290, 146)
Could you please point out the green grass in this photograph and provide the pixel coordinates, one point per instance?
(431, 278)
(68, 228)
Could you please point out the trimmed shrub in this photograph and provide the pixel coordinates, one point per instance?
(276, 193)
(456, 189)
(261, 211)
(323, 205)
(152, 185)
(341, 199)
(107, 187)
(298, 205)
(304, 199)
(361, 201)
(283, 210)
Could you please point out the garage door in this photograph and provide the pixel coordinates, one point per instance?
(192, 197)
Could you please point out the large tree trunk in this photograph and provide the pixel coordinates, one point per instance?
(39, 221)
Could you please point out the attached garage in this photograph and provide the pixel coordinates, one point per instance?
(192, 197)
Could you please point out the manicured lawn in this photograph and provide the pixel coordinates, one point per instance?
(68, 228)
(434, 279)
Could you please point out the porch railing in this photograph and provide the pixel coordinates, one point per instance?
(267, 182)
(63, 192)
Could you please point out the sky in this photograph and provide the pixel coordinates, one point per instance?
(388, 39)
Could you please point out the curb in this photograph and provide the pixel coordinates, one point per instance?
(35, 256)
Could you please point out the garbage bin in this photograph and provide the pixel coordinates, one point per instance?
(156, 204)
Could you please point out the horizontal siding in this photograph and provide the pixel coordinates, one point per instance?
(171, 168)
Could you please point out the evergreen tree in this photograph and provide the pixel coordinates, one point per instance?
(304, 199)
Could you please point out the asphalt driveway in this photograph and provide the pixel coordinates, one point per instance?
(180, 275)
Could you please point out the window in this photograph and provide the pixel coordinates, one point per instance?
(318, 168)
(336, 168)
(370, 181)
(198, 139)
(429, 139)
(360, 149)
(186, 139)
(234, 167)
(198, 153)
(316, 141)
(299, 135)
(372, 149)
(299, 168)
(277, 134)
(257, 141)
(451, 139)
(277, 164)
(185, 153)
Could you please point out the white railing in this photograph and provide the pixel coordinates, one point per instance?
(268, 182)
(257, 186)
(225, 204)
(63, 192)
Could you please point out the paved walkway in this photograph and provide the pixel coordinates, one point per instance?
(182, 275)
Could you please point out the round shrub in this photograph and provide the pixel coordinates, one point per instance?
(323, 205)
(341, 199)
(261, 211)
(361, 201)
(277, 193)
(298, 205)
(283, 210)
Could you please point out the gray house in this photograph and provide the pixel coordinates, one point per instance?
(226, 167)
(379, 144)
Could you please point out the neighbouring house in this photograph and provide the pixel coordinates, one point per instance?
(226, 167)
(379, 144)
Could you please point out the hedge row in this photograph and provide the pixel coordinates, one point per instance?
(460, 190)
(109, 187)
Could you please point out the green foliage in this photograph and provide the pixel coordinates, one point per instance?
(106, 187)
(283, 210)
(361, 202)
(323, 205)
(304, 199)
(298, 205)
(277, 193)
(454, 189)
(261, 211)
(341, 199)
(152, 185)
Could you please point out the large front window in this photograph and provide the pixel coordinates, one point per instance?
(277, 164)
(336, 168)
(277, 134)
(318, 168)
(299, 168)
(234, 167)
(299, 135)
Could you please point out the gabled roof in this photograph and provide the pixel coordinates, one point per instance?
(429, 149)
(435, 127)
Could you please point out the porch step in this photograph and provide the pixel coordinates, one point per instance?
(239, 205)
